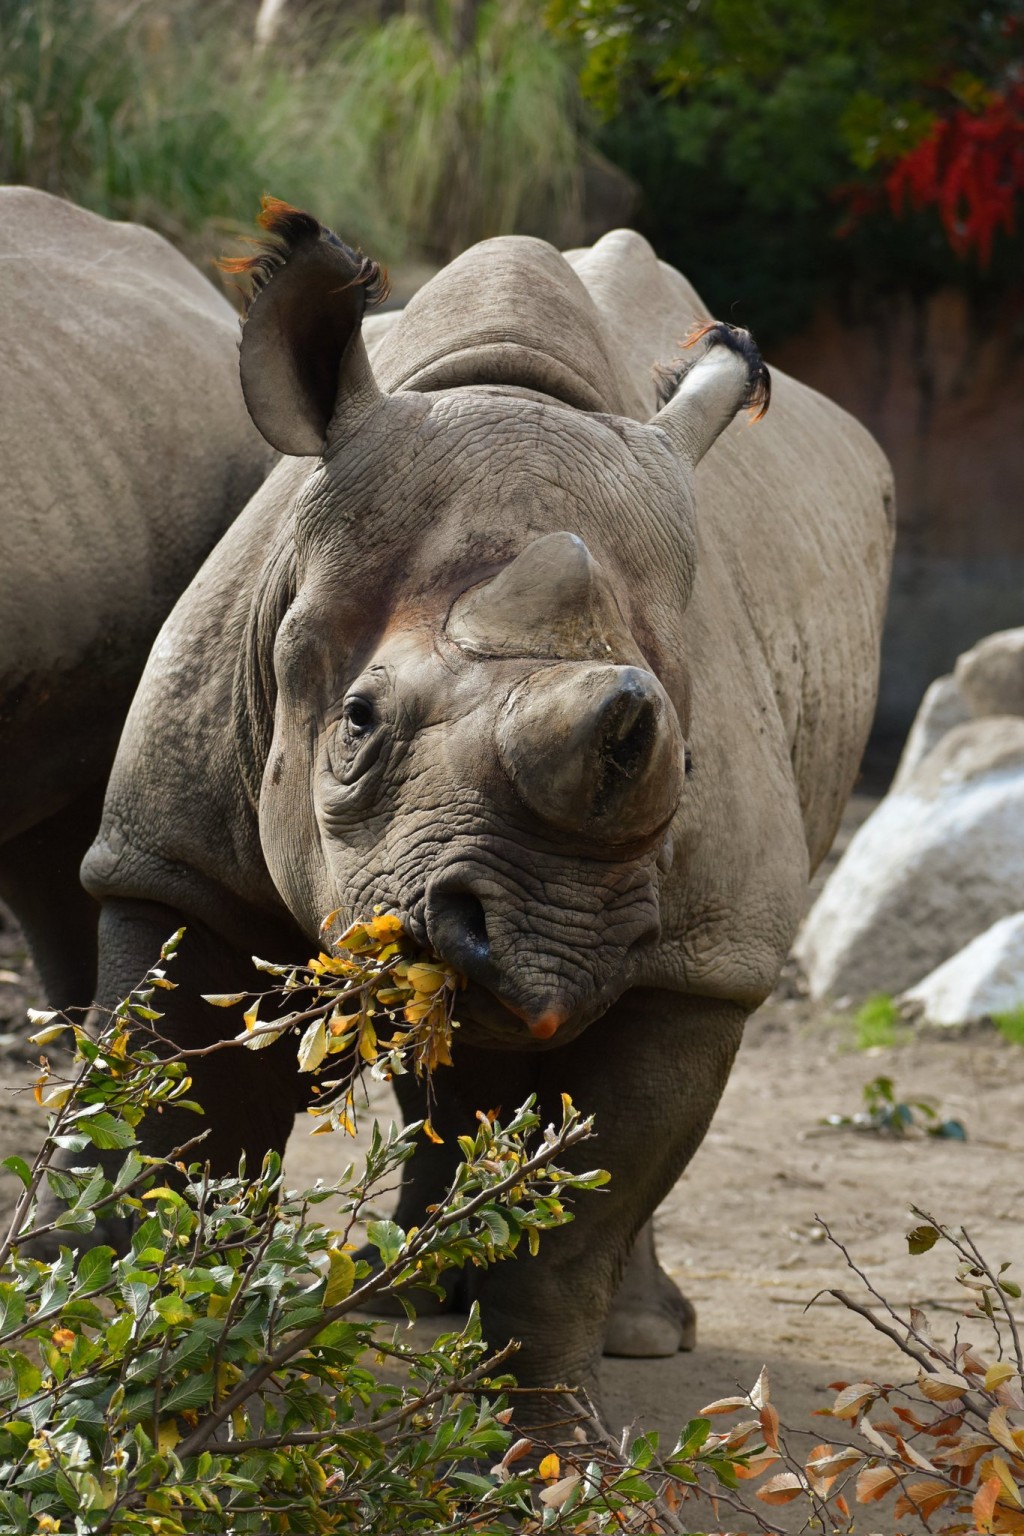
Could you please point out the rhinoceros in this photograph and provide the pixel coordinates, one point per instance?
(126, 452)
(510, 646)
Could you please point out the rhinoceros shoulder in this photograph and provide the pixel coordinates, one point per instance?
(179, 823)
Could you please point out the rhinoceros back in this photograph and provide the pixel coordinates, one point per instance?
(127, 450)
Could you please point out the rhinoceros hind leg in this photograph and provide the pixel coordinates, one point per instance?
(650, 1316)
(39, 882)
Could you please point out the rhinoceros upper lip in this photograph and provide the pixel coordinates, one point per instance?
(507, 1025)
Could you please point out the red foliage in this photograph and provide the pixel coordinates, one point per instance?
(971, 168)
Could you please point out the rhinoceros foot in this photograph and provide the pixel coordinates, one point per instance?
(649, 1332)
(650, 1316)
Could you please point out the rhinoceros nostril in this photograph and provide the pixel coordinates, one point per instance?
(457, 927)
(627, 739)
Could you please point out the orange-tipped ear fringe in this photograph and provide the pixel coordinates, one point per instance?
(669, 376)
(291, 231)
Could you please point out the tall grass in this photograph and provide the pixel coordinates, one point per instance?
(161, 111)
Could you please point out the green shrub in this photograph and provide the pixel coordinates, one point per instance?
(219, 1374)
(169, 117)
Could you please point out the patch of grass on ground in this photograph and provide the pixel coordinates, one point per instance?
(877, 1022)
(1011, 1025)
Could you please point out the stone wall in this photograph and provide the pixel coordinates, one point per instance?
(940, 382)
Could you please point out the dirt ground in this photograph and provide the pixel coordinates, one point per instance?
(742, 1232)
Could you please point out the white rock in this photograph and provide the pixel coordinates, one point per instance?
(990, 676)
(939, 861)
(942, 707)
(984, 978)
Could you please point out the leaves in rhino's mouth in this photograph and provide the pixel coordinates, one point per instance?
(373, 998)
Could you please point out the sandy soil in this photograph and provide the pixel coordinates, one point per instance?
(742, 1232)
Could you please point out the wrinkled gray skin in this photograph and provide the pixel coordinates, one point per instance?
(449, 665)
(126, 452)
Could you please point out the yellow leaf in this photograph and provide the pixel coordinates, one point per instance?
(1000, 1429)
(341, 1276)
(367, 1041)
(168, 1435)
(725, 1405)
(1010, 1489)
(996, 1374)
(44, 1036)
(550, 1467)
(54, 1097)
(431, 1134)
(217, 1306)
(224, 999)
(425, 978)
(313, 1046)
(63, 1338)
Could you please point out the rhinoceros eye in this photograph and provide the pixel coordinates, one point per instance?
(360, 717)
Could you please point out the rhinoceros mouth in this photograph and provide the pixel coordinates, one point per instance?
(487, 1020)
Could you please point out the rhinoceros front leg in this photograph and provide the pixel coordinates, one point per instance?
(652, 1071)
(249, 1098)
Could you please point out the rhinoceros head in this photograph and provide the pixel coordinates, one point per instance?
(463, 703)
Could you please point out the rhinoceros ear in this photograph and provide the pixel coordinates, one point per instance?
(704, 395)
(302, 355)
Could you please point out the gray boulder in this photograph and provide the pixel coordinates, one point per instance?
(990, 676)
(940, 861)
(983, 979)
(942, 707)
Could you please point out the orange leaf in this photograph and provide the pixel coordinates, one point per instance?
(770, 1426)
(516, 1451)
(550, 1467)
(924, 1496)
(984, 1504)
(874, 1483)
(782, 1489)
(842, 1506)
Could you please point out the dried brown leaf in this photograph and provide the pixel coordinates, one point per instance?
(941, 1386)
(853, 1398)
(782, 1489)
(874, 1483)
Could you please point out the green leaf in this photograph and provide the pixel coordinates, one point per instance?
(28, 1377)
(496, 1225)
(19, 1167)
(12, 1307)
(107, 1132)
(921, 1238)
(172, 1309)
(387, 1237)
(193, 1392)
(95, 1268)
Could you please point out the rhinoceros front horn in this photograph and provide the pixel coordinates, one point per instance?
(595, 750)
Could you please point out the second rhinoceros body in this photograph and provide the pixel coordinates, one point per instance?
(490, 652)
(125, 452)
